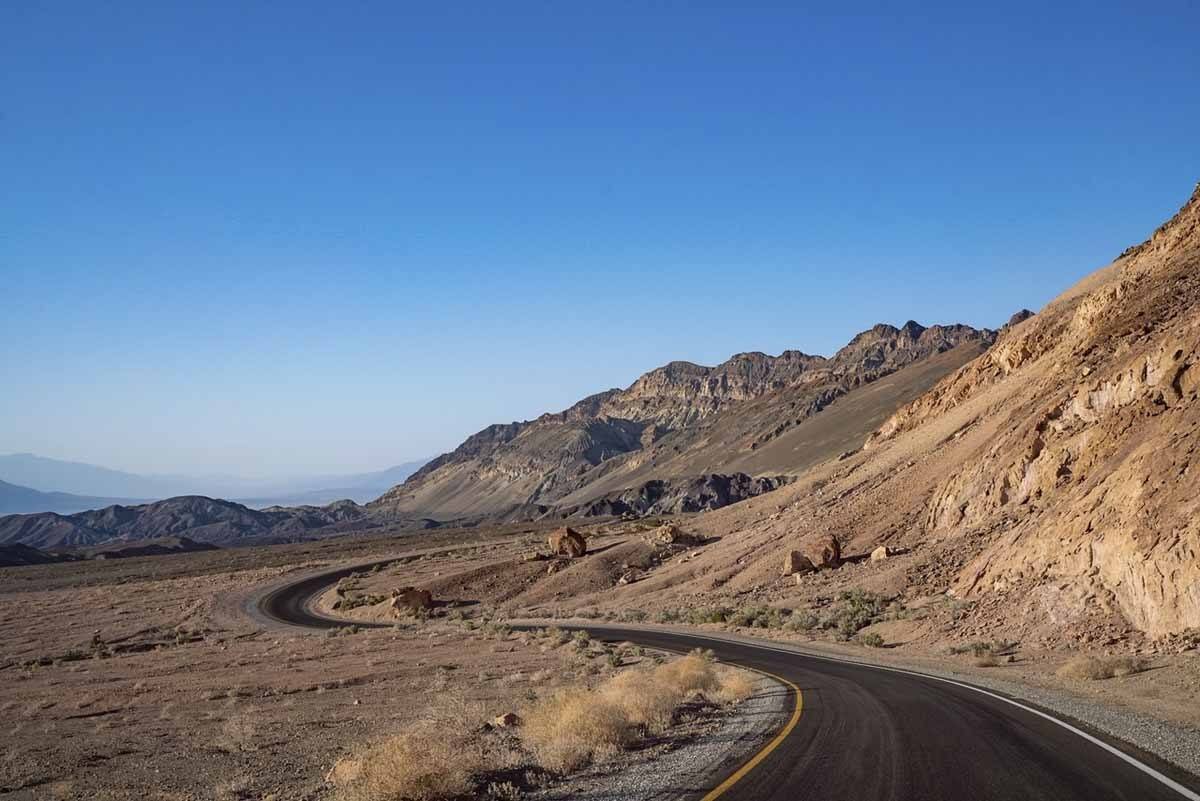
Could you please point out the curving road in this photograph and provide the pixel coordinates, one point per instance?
(867, 733)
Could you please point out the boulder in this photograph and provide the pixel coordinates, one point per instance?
(671, 534)
(567, 542)
(796, 562)
(880, 553)
(824, 552)
(410, 599)
(507, 720)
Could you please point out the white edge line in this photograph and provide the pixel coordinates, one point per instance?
(1143, 767)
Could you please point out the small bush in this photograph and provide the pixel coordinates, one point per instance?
(734, 685)
(425, 763)
(689, 674)
(871, 640)
(643, 698)
(759, 617)
(802, 621)
(573, 727)
(1095, 668)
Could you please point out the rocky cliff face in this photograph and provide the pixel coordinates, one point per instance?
(541, 462)
(1091, 484)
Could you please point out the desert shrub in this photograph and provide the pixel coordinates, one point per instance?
(802, 621)
(981, 648)
(871, 640)
(986, 660)
(704, 614)
(644, 699)
(1095, 668)
(856, 609)
(689, 674)
(572, 727)
(424, 763)
(633, 615)
(734, 685)
(556, 636)
(759, 617)
(581, 639)
(667, 616)
(346, 604)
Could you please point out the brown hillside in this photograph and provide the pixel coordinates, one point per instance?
(681, 421)
(1048, 490)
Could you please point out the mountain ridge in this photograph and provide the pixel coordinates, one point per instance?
(554, 456)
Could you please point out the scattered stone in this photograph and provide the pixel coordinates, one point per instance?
(670, 534)
(881, 553)
(410, 599)
(567, 542)
(795, 562)
(824, 552)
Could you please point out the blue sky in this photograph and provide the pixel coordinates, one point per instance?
(339, 236)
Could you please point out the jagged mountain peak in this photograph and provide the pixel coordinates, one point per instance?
(558, 454)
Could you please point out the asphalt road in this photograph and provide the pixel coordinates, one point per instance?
(871, 734)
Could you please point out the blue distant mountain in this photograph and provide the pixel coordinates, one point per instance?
(57, 484)
(16, 500)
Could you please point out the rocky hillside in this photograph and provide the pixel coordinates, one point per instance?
(1047, 491)
(1093, 476)
(203, 520)
(663, 426)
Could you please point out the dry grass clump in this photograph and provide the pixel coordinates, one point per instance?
(1094, 668)
(424, 763)
(735, 685)
(448, 755)
(574, 727)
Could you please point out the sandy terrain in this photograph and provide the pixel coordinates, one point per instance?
(138, 678)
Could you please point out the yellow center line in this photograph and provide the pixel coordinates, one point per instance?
(741, 772)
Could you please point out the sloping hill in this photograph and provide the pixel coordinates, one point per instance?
(682, 421)
(1047, 491)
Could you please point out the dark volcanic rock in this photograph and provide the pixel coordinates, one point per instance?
(702, 493)
(16, 555)
(162, 546)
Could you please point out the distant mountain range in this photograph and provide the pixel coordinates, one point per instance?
(199, 519)
(31, 483)
(15, 499)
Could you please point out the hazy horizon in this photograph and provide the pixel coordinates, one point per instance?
(338, 242)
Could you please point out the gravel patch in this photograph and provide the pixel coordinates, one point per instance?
(686, 762)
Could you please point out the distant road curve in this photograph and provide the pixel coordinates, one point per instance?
(868, 733)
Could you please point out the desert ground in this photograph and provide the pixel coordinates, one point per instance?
(154, 683)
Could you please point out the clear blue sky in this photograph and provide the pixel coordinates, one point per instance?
(325, 236)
